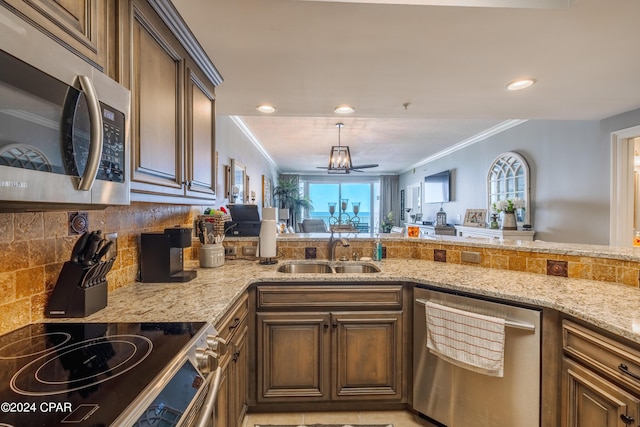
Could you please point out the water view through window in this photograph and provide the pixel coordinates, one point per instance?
(357, 203)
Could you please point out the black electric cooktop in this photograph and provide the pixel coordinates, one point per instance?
(82, 374)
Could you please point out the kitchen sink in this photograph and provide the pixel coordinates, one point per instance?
(324, 268)
(305, 268)
(356, 268)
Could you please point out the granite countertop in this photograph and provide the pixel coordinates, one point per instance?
(609, 306)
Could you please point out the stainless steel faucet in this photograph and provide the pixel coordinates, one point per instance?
(332, 246)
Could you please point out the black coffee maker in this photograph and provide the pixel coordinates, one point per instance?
(162, 258)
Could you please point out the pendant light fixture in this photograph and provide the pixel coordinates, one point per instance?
(340, 157)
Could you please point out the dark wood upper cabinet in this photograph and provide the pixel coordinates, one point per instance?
(173, 111)
(82, 26)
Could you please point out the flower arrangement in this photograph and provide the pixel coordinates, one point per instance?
(387, 222)
(508, 205)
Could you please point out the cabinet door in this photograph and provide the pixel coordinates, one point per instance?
(80, 25)
(238, 373)
(200, 140)
(222, 401)
(157, 143)
(367, 355)
(591, 401)
(293, 357)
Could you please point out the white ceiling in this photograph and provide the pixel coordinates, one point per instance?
(450, 63)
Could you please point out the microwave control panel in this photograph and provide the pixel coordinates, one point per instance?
(112, 163)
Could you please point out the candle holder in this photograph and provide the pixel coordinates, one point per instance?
(355, 221)
(343, 205)
(494, 221)
(344, 221)
(235, 193)
(332, 208)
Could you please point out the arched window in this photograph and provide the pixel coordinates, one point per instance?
(508, 178)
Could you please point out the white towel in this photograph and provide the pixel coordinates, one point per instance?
(469, 340)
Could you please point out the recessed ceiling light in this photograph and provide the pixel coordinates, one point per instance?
(266, 108)
(520, 84)
(344, 109)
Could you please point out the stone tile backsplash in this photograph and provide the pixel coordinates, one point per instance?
(34, 246)
(579, 267)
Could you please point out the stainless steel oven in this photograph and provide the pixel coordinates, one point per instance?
(109, 374)
(64, 125)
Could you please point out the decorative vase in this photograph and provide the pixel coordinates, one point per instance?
(509, 221)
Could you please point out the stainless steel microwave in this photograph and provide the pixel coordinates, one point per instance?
(64, 126)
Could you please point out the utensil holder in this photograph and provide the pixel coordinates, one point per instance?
(80, 290)
(211, 255)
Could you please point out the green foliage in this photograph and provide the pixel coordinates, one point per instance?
(387, 222)
(288, 196)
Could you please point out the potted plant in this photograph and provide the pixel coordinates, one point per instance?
(508, 208)
(387, 223)
(288, 197)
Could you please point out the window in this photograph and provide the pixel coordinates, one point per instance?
(508, 178)
(350, 201)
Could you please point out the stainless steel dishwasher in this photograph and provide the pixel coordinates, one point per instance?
(457, 397)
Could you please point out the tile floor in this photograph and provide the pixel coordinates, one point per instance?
(397, 418)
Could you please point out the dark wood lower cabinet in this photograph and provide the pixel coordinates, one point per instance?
(222, 401)
(231, 404)
(293, 356)
(329, 356)
(592, 401)
(600, 385)
(367, 359)
(238, 372)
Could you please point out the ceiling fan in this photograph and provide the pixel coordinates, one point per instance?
(340, 159)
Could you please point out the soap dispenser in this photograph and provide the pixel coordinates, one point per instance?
(377, 250)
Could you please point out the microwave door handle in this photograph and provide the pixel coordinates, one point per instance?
(95, 145)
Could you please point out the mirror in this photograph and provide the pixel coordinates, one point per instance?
(508, 178)
(236, 182)
(413, 207)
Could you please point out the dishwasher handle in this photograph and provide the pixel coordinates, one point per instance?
(508, 323)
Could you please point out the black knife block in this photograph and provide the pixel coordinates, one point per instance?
(80, 290)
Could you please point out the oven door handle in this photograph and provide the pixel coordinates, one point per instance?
(209, 405)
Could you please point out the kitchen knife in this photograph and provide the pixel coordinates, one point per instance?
(92, 247)
(79, 247)
(101, 244)
(203, 231)
(103, 250)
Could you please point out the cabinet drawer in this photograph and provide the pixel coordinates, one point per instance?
(232, 320)
(610, 358)
(356, 297)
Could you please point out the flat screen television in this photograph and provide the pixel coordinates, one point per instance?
(437, 188)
